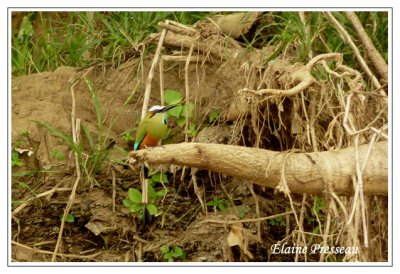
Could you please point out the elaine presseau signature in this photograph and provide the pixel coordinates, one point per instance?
(314, 249)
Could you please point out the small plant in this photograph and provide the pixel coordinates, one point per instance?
(127, 135)
(69, 219)
(172, 254)
(180, 111)
(243, 210)
(134, 201)
(278, 221)
(56, 154)
(192, 130)
(317, 211)
(213, 116)
(20, 141)
(15, 159)
(218, 203)
(159, 177)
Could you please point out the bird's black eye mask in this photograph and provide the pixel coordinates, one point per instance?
(156, 111)
(165, 109)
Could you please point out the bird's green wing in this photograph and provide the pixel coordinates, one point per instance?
(140, 134)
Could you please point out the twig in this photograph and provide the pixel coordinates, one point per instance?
(257, 203)
(114, 192)
(161, 69)
(174, 23)
(246, 220)
(187, 86)
(46, 193)
(176, 29)
(346, 115)
(348, 39)
(303, 76)
(301, 221)
(360, 187)
(283, 186)
(58, 254)
(180, 58)
(326, 231)
(373, 53)
(75, 126)
(151, 73)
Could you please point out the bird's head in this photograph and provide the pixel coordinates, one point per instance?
(160, 109)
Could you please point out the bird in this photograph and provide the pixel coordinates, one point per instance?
(151, 130)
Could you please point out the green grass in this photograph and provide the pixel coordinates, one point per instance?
(285, 29)
(44, 42)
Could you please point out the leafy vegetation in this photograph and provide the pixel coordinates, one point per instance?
(134, 199)
(46, 40)
(172, 254)
(15, 159)
(173, 97)
(218, 203)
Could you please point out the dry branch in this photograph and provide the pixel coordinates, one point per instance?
(348, 39)
(373, 53)
(302, 76)
(151, 73)
(304, 172)
(176, 29)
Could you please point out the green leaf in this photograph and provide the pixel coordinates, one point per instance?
(135, 195)
(176, 111)
(56, 154)
(136, 208)
(243, 211)
(152, 209)
(97, 105)
(181, 121)
(88, 136)
(189, 107)
(172, 97)
(151, 192)
(213, 203)
(127, 203)
(15, 155)
(177, 252)
(164, 249)
(167, 256)
(25, 29)
(160, 178)
(70, 218)
(160, 193)
(279, 219)
(60, 134)
(221, 207)
(213, 116)
(16, 163)
(192, 130)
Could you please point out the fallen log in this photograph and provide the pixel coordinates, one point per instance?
(312, 173)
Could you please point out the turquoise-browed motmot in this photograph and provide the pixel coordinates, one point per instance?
(152, 129)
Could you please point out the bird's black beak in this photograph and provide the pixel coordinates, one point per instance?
(169, 107)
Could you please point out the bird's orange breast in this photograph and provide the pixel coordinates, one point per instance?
(149, 141)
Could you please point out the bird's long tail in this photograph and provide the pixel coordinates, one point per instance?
(146, 217)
